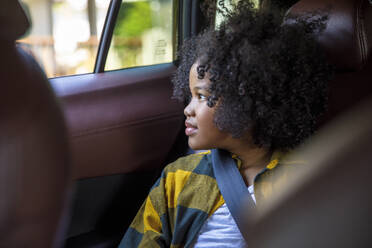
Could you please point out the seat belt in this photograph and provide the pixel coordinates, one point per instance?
(232, 187)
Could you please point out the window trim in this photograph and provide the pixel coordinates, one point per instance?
(108, 30)
(191, 21)
(106, 36)
(176, 29)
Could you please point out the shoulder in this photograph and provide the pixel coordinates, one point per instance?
(189, 163)
(185, 167)
(282, 165)
(289, 161)
(286, 166)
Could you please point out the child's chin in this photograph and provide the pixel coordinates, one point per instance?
(194, 145)
(197, 146)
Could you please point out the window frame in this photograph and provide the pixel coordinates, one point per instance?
(106, 35)
(108, 30)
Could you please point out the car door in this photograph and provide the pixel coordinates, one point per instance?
(124, 127)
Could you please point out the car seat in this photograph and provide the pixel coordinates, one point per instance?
(34, 154)
(347, 41)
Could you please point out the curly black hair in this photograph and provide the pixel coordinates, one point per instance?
(282, 5)
(269, 78)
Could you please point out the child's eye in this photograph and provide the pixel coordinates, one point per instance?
(202, 97)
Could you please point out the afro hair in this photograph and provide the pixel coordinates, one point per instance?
(270, 78)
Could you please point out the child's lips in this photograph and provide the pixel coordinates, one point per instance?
(190, 129)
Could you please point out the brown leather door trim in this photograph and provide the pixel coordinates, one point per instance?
(170, 116)
(120, 121)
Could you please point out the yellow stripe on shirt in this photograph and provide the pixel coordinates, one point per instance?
(174, 184)
(151, 220)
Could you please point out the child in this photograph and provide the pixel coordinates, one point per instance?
(255, 88)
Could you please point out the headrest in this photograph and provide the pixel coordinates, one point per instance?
(347, 39)
(13, 20)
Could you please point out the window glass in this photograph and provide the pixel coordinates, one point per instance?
(228, 4)
(142, 34)
(64, 34)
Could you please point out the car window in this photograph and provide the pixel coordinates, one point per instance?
(64, 34)
(143, 34)
(219, 17)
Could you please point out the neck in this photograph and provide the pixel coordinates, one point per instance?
(254, 159)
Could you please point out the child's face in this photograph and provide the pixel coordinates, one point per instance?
(200, 128)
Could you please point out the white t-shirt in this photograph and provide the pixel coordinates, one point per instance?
(220, 230)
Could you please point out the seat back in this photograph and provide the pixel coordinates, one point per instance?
(347, 41)
(34, 154)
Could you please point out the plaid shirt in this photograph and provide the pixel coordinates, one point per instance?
(185, 196)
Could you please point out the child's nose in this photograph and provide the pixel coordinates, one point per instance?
(189, 109)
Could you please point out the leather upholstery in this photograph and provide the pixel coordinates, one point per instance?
(347, 38)
(13, 20)
(347, 41)
(120, 122)
(34, 156)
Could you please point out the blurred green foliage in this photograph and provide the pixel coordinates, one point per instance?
(137, 23)
(133, 19)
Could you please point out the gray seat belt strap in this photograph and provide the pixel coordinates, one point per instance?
(232, 187)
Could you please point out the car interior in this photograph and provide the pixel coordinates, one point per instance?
(79, 153)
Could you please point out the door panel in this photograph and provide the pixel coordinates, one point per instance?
(123, 126)
(120, 121)
(104, 207)
(123, 129)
